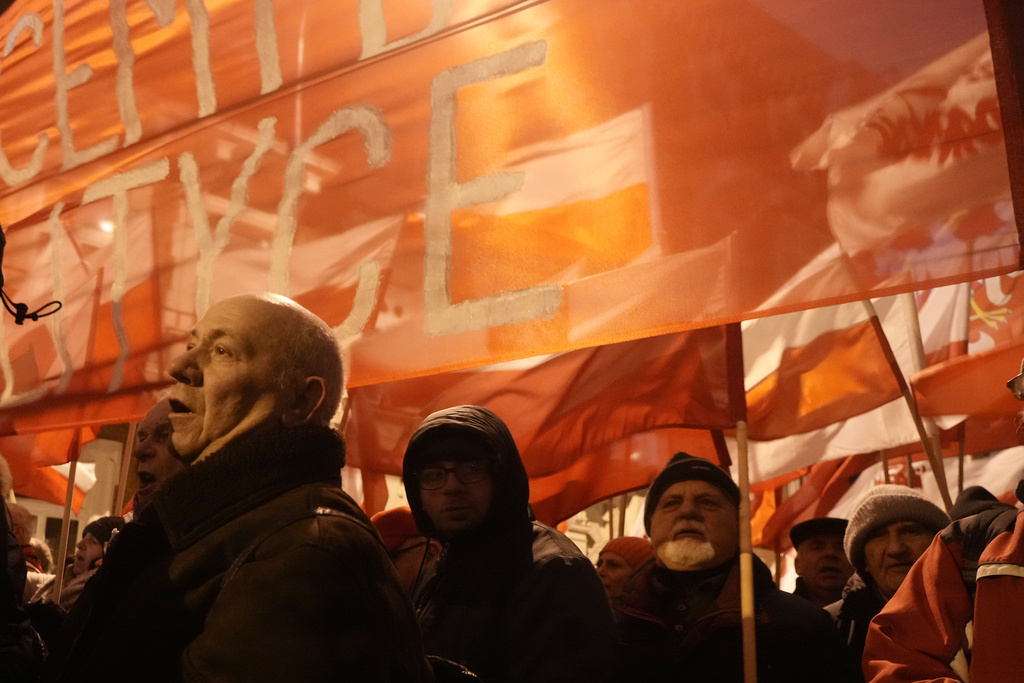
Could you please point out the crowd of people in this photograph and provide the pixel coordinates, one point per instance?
(243, 560)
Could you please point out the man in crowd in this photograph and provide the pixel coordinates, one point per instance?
(412, 553)
(957, 616)
(821, 565)
(251, 564)
(512, 599)
(889, 529)
(619, 560)
(38, 558)
(680, 619)
(155, 454)
(20, 654)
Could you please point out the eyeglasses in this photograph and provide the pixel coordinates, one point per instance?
(469, 472)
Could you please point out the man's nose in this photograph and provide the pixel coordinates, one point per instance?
(185, 369)
(452, 483)
(895, 544)
(143, 451)
(689, 509)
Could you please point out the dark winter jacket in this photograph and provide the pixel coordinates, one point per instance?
(20, 650)
(853, 614)
(513, 600)
(251, 565)
(796, 641)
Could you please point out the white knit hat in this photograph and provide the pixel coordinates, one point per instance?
(882, 506)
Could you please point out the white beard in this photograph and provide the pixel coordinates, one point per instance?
(685, 554)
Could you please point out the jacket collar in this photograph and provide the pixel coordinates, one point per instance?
(645, 592)
(247, 472)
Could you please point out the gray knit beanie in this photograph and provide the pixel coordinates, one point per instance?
(882, 506)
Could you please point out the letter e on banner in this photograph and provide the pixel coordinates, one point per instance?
(445, 194)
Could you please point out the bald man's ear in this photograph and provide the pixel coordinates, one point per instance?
(308, 399)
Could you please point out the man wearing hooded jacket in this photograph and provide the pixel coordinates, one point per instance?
(512, 599)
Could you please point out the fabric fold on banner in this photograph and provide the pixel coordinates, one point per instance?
(833, 379)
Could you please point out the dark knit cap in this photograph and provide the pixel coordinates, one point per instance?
(102, 528)
(686, 467)
(819, 526)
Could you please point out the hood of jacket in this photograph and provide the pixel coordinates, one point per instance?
(510, 500)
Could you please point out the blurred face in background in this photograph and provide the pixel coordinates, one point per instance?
(154, 452)
(822, 564)
(614, 572)
(88, 552)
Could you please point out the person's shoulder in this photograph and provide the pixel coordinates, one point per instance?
(318, 515)
(550, 544)
(784, 607)
(973, 533)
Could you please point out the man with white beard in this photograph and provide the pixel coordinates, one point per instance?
(680, 616)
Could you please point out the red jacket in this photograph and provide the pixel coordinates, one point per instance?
(936, 629)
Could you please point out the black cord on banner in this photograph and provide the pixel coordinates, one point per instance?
(20, 311)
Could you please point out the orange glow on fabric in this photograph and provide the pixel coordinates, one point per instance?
(459, 183)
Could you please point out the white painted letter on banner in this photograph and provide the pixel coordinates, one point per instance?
(117, 186)
(445, 194)
(374, 29)
(66, 81)
(376, 140)
(15, 176)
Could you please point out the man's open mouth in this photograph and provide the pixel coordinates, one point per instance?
(179, 407)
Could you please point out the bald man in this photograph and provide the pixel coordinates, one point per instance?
(251, 564)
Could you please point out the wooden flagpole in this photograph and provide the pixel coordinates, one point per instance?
(926, 441)
(65, 526)
(746, 559)
(126, 461)
(738, 406)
